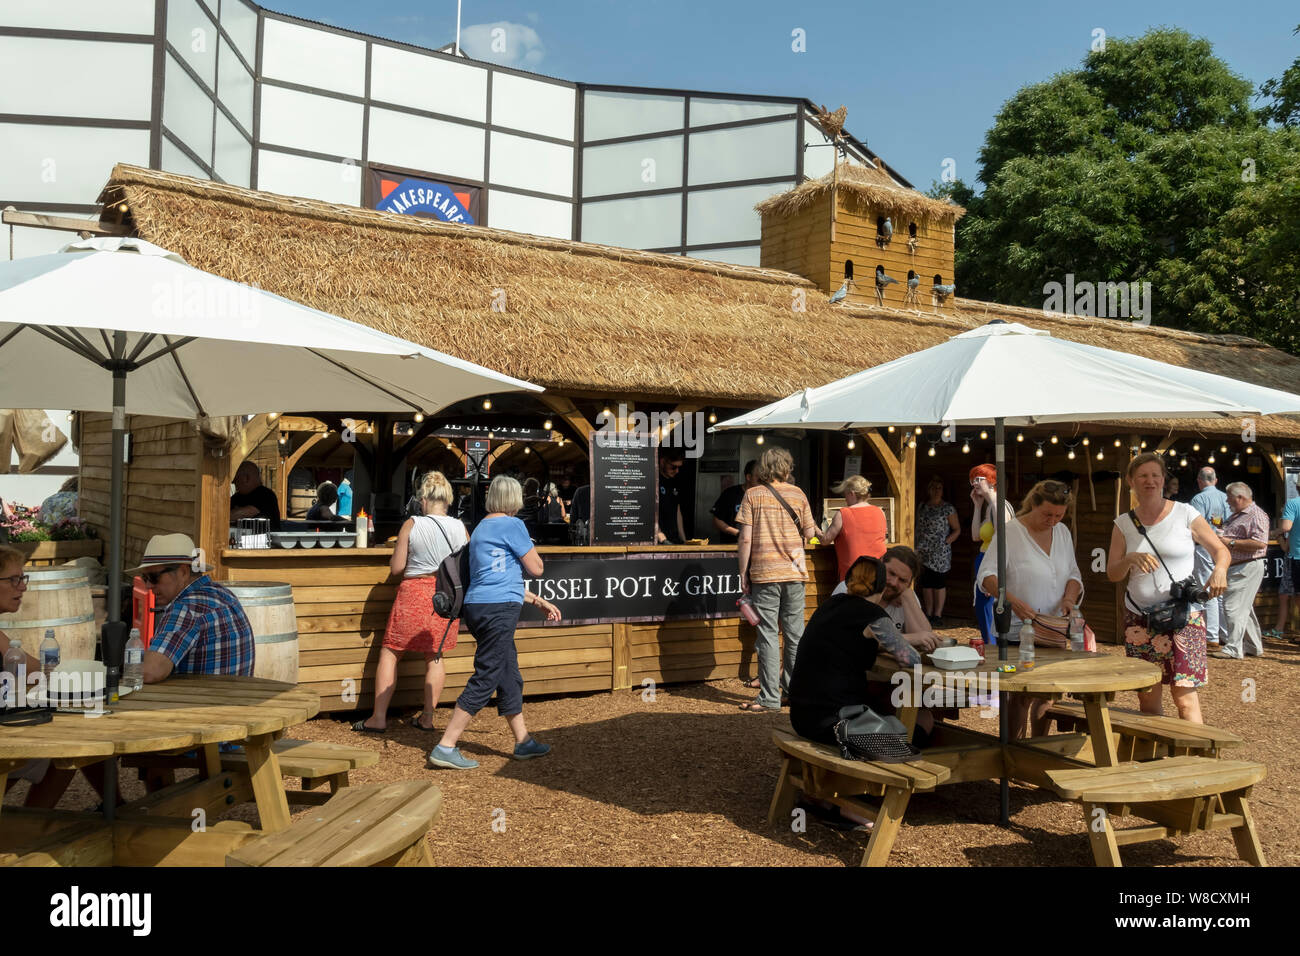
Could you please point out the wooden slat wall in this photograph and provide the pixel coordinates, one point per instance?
(801, 244)
(855, 239)
(158, 484)
(342, 601)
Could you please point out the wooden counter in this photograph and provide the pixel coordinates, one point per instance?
(342, 598)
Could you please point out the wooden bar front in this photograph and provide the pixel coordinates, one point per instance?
(342, 597)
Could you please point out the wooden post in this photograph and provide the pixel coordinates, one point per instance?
(212, 509)
(901, 471)
(622, 656)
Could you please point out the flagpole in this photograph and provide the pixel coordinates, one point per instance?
(458, 27)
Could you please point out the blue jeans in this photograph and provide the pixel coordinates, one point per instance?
(496, 662)
(1215, 620)
(779, 603)
(984, 611)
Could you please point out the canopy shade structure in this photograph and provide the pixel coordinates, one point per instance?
(76, 324)
(199, 345)
(1021, 375)
(1007, 373)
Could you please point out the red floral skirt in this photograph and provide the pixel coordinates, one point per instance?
(412, 623)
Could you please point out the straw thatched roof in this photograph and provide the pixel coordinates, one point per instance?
(862, 188)
(596, 320)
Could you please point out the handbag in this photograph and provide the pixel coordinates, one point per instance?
(865, 735)
(453, 580)
(1052, 630)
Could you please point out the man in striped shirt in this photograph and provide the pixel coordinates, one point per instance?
(203, 628)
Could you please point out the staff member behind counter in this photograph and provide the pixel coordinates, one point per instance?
(724, 510)
(252, 499)
(670, 529)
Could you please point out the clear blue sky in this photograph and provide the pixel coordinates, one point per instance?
(922, 81)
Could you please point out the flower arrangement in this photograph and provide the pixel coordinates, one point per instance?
(28, 524)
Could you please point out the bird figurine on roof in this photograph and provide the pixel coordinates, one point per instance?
(842, 292)
(882, 280)
(885, 232)
(941, 292)
(833, 123)
(913, 282)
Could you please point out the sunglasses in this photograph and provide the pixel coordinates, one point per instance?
(18, 580)
(151, 577)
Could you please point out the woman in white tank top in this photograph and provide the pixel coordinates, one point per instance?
(422, 544)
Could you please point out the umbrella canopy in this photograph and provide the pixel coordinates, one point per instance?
(1023, 376)
(197, 344)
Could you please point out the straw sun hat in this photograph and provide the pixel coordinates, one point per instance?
(168, 549)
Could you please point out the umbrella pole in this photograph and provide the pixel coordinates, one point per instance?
(113, 634)
(1001, 618)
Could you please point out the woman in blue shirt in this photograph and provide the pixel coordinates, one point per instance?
(500, 551)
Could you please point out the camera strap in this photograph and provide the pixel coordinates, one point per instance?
(1141, 529)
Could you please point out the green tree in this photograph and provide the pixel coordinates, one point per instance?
(1285, 93)
(1146, 164)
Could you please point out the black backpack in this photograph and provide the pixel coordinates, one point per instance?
(453, 580)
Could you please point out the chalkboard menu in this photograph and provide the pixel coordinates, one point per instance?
(624, 489)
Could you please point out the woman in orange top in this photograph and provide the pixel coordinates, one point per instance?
(858, 528)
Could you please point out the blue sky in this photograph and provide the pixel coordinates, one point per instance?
(922, 81)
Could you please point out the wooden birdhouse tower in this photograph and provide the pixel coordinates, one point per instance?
(856, 223)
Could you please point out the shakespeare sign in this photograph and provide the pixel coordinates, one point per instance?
(421, 196)
(639, 587)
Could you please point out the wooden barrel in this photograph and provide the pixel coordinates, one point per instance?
(270, 610)
(57, 598)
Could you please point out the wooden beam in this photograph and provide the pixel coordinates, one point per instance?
(287, 464)
(497, 452)
(565, 408)
(900, 469)
(1276, 465)
(35, 220)
(255, 432)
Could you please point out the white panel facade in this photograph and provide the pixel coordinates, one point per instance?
(64, 164)
(643, 222)
(738, 255)
(45, 77)
(751, 152)
(120, 16)
(175, 161)
(727, 215)
(327, 61)
(640, 165)
(533, 106)
(433, 83)
(321, 124)
(310, 178)
(235, 86)
(531, 164)
(416, 142)
(187, 110)
(540, 217)
(240, 22)
(820, 158)
(234, 154)
(607, 115)
(194, 37)
(705, 112)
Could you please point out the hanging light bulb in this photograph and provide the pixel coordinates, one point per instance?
(1278, 459)
(1070, 455)
(1086, 441)
(527, 450)
(492, 435)
(984, 434)
(1172, 451)
(713, 418)
(1118, 443)
(918, 429)
(1210, 460)
(891, 429)
(944, 434)
(1182, 463)
(931, 451)
(1250, 450)
(1054, 439)
(912, 443)
(1196, 446)
(1236, 462)
(1020, 436)
(965, 447)
(1100, 454)
(758, 440)
(487, 404)
(1144, 443)
(419, 417)
(547, 424)
(852, 444)
(1223, 449)
(1038, 449)
(272, 417)
(284, 438)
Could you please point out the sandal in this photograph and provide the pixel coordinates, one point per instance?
(415, 722)
(361, 728)
(752, 683)
(756, 708)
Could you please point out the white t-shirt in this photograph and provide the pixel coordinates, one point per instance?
(428, 546)
(1173, 539)
(1036, 578)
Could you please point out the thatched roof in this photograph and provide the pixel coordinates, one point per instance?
(596, 320)
(863, 188)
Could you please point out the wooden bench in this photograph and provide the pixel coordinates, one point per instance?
(315, 762)
(376, 825)
(822, 774)
(1148, 736)
(1180, 794)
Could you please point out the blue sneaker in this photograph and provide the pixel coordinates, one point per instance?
(531, 748)
(451, 759)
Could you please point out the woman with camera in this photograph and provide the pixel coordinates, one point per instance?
(1156, 556)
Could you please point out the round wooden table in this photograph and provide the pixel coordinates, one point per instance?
(182, 713)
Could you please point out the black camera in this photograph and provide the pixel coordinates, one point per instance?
(1190, 591)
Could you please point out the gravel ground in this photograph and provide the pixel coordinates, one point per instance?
(685, 779)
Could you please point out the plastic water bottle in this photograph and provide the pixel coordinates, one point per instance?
(48, 656)
(1076, 630)
(1026, 645)
(133, 662)
(16, 664)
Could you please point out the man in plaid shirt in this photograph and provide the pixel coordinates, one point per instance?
(203, 628)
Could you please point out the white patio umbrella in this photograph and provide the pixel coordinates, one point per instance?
(76, 325)
(1006, 373)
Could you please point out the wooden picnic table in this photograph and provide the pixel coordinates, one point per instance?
(170, 825)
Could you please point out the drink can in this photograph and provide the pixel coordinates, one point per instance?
(977, 645)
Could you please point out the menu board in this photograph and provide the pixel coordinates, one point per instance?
(624, 489)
